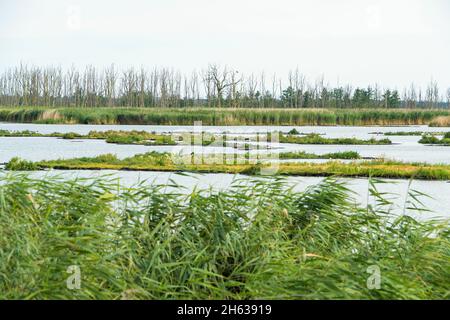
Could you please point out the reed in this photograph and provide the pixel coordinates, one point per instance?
(318, 139)
(258, 239)
(433, 140)
(221, 116)
(110, 136)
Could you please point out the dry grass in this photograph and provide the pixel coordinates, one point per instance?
(441, 121)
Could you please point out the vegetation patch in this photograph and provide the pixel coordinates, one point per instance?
(441, 121)
(221, 163)
(18, 164)
(225, 116)
(412, 133)
(110, 136)
(433, 140)
(318, 139)
(346, 155)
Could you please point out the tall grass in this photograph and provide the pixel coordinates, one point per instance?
(187, 116)
(221, 163)
(254, 240)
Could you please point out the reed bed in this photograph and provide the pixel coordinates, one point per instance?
(221, 116)
(441, 121)
(258, 239)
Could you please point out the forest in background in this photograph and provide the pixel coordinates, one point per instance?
(214, 86)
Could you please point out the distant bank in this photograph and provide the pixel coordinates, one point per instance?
(226, 116)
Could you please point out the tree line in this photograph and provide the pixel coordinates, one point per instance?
(214, 86)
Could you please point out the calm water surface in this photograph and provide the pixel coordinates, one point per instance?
(405, 148)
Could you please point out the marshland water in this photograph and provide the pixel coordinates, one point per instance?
(404, 148)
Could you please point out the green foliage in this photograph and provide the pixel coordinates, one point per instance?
(432, 139)
(391, 99)
(18, 164)
(211, 116)
(293, 132)
(71, 135)
(131, 137)
(345, 155)
(254, 240)
(314, 138)
(24, 133)
(412, 133)
(110, 136)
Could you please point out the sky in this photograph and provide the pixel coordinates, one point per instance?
(362, 42)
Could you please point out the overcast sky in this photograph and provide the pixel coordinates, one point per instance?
(392, 42)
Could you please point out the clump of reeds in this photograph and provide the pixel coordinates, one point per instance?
(432, 139)
(441, 121)
(18, 164)
(314, 138)
(344, 155)
(257, 239)
(214, 116)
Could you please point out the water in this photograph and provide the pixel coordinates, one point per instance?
(437, 200)
(332, 131)
(405, 148)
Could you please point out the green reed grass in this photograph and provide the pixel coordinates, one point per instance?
(215, 116)
(258, 239)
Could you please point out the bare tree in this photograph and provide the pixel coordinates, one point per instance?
(215, 87)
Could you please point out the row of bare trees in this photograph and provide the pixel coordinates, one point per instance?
(213, 86)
